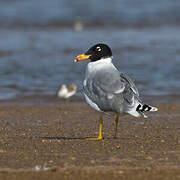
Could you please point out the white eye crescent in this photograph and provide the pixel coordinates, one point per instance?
(98, 49)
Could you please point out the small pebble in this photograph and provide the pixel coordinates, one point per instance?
(73, 158)
(92, 161)
(120, 172)
(149, 158)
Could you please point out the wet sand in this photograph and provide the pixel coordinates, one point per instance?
(45, 139)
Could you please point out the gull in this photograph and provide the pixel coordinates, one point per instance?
(106, 89)
(67, 91)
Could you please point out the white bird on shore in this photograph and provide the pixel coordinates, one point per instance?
(67, 91)
(108, 90)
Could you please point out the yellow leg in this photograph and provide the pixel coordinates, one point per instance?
(100, 130)
(116, 121)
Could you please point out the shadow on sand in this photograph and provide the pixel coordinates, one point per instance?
(60, 138)
(72, 138)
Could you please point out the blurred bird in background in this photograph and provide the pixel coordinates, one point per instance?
(66, 91)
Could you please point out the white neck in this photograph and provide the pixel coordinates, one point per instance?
(102, 61)
(100, 64)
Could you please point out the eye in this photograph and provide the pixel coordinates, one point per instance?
(98, 48)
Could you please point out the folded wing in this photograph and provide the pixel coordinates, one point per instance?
(112, 90)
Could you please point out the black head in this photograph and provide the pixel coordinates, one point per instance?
(98, 52)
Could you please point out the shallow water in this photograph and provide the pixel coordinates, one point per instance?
(38, 44)
(112, 11)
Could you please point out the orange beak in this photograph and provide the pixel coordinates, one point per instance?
(81, 57)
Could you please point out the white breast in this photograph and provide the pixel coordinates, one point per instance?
(62, 91)
(92, 68)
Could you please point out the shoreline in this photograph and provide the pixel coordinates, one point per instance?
(52, 99)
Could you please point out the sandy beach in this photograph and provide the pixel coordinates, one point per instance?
(45, 138)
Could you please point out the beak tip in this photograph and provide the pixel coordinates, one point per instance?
(75, 60)
(81, 57)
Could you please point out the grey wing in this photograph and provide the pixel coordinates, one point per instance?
(111, 91)
(101, 87)
(129, 83)
(114, 83)
(109, 83)
(130, 94)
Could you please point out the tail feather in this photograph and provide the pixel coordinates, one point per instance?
(140, 109)
(145, 107)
